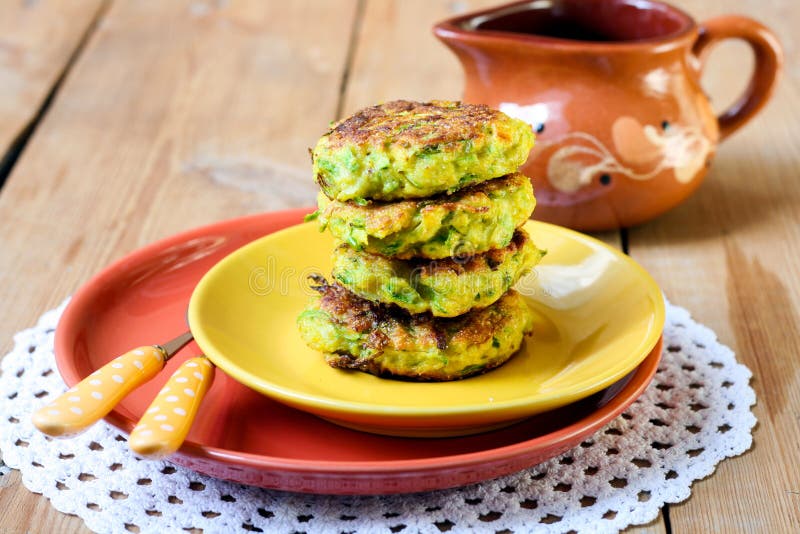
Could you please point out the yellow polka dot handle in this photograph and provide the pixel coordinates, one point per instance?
(167, 421)
(97, 394)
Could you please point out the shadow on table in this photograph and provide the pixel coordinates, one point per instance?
(722, 206)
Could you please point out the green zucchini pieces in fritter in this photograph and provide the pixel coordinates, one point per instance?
(402, 150)
(471, 221)
(355, 333)
(445, 288)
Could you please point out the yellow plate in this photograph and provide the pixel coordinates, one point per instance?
(598, 315)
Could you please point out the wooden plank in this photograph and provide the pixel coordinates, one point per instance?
(177, 114)
(730, 255)
(397, 56)
(37, 40)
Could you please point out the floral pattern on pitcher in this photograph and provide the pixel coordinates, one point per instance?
(642, 153)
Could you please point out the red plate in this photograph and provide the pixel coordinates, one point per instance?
(243, 436)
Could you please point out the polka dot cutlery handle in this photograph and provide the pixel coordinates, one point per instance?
(97, 394)
(167, 421)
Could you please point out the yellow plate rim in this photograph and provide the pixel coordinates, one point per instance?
(319, 404)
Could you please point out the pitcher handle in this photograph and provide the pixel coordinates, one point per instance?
(768, 63)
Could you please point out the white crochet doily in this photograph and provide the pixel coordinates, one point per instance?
(694, 414)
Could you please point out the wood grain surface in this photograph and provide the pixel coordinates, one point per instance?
(176, 114)
(37, 41)
(731, 255)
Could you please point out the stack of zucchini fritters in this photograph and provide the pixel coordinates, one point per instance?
(427, 204)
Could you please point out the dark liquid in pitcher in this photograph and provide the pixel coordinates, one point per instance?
(581, 20)
(572, 31)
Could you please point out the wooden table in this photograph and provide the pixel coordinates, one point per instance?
(123, 122)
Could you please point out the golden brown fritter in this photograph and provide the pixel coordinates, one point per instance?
(408, 149)
(418, 124)
(446, 287)
(355, 333)
(475, 219)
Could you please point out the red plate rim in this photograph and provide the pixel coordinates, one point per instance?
(82, 299)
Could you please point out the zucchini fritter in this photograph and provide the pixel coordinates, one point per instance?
(473, 220)
(355, 333)
(403, 149)
(446, 288)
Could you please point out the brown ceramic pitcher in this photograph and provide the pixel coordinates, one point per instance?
(612, 88)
